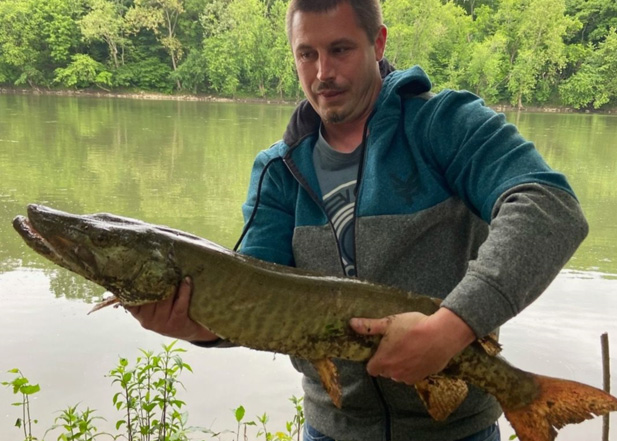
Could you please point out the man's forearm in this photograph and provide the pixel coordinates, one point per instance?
(534, 232)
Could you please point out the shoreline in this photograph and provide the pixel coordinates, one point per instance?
(499, 107)
(141, 95)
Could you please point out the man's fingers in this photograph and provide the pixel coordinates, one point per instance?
(366, 326)
(183, 298)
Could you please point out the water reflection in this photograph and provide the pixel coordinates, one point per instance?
(186, 165)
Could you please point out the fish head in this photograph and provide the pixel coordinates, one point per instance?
(121, 254)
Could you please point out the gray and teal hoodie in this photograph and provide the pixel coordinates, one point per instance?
(452, 202)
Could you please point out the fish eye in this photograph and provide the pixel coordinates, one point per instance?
(101, 238)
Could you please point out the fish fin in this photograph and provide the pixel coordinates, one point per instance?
(328, 374)
(559, 402)
(441, 395)
(113, 300)
(490, 344)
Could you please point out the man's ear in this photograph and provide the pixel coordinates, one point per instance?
(380, 42)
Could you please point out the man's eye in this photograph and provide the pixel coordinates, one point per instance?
(305, 55)
(340, 50)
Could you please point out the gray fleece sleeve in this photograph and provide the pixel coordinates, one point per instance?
(534, 231)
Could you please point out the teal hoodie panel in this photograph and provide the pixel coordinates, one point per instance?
(418, 154)
(450, 145)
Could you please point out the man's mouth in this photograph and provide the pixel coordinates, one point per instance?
(330, 93)
(328, 89)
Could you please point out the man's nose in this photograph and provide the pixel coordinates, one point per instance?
(325, 68)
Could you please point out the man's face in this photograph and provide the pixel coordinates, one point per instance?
(336, 63)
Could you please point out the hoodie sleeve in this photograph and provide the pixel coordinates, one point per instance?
(268, 211)
(534, 231)
(535, 221)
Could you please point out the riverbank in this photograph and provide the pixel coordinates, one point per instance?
(268, 100)
(92, 93)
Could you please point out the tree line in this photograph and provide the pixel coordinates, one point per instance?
(522, 52)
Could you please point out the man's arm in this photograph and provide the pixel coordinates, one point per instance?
(534, 231)
(535, 225)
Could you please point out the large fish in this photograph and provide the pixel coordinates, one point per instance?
(275, 308)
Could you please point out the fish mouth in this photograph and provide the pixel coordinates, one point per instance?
(55, 247)
(34, 238)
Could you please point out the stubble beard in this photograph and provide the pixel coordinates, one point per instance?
(336, 115)
(333, 117)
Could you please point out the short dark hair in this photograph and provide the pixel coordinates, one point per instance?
(368, 13)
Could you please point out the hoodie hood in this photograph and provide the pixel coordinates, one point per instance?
(305, 120)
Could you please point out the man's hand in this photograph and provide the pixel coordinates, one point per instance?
(414, 345)
(170, 317)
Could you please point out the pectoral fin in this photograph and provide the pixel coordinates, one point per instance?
(441, 395)
(329, 379)
(113, 300)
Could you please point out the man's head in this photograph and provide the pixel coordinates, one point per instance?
(337, 45)
(367, 13)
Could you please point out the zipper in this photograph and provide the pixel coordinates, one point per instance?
(305, 185)
(363, 146)
(293, 169)
(357, 189)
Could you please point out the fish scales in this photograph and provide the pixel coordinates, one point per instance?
(260, 309)
(275, 308)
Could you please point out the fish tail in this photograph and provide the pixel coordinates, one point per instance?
(558, 403)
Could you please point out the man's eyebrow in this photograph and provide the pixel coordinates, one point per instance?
(344, 41)
(340, 41)
(303, 47)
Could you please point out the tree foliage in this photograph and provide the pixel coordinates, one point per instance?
(526, 52)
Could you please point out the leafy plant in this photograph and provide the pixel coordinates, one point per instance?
(239, 413)
(293, 428)
(149, 403)
(83, 71)
(148, 395)
(77, 425)
(21, 386)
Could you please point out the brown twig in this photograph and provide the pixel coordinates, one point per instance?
(606, 371)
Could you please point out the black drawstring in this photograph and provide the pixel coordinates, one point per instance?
(363, 147)
(257, 198)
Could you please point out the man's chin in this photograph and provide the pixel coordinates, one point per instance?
(331, 116)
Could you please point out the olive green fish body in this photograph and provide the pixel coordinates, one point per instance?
(270, 307)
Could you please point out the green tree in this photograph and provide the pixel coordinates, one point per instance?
(281, 57)
(452, 50)
(598, 18)
(535, 30)
(20, 38)
(36, 36)
(82, 72)
(432, 34)
(237, 46)
(471, 6)
(105, 22)
(415, 28)
(161, 17)
(486, 68)
(595, 83)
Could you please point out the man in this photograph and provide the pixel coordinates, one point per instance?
(377, 178)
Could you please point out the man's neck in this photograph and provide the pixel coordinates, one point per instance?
(344, 137)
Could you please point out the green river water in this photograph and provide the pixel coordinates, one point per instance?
(186, 165)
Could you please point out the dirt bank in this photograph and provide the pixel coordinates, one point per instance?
(95, 93)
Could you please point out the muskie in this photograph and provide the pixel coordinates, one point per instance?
(276, 308)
